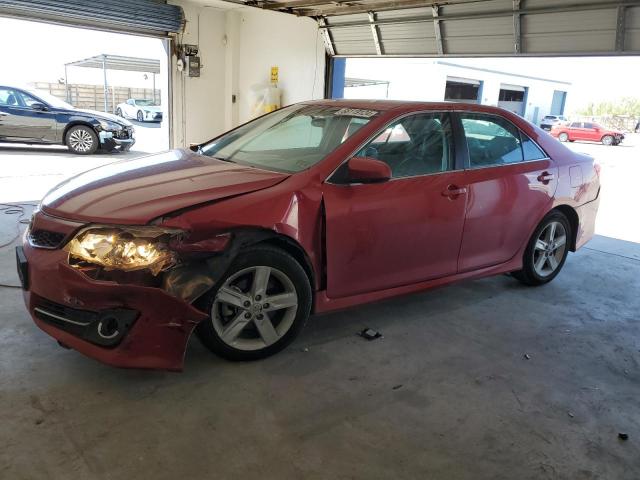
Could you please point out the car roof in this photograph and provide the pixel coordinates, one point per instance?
(400, 105)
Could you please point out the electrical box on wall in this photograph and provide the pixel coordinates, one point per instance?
(188, 59)
(193, 66)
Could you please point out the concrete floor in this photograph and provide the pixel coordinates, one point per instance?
(446, 394)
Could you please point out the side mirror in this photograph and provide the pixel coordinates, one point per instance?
(368, 170)
(40, 107)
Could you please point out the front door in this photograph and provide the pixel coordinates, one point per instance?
(511, 183)
(20, 122)
(402, 231)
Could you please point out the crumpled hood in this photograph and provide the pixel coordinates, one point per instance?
(134, 192)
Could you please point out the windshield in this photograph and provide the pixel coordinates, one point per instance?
(50, 99)
(145, 103)
(289, 140)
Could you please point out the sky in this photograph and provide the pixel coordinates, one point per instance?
(37, 52)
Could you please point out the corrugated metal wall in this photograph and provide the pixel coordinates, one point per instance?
(492, 27)
(147, 17)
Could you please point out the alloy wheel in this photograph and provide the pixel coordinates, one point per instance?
(549, 249)
(81, 140)
(254, 308)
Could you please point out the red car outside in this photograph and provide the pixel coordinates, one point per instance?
(319, 206)
(587, 131)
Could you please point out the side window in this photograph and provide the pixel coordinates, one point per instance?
(415, 145)
(27, 100)
(530, 150)
(575, 125)
(587, 125)
(131, 102)
(491, 140)
(8, 98)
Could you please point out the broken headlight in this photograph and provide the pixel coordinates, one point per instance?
(124, 248)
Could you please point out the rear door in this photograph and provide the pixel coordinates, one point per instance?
(402, 231)
(511, 183)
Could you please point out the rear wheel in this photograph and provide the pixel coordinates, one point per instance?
(607, 140)
(82, 140)
(118, 112)
(258, 307)
(563, 137)
(546, 251)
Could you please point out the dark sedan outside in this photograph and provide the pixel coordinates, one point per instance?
(36, 117)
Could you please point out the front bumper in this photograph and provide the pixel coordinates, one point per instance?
(121, 140)
(128, 326)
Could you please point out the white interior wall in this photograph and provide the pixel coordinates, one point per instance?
(238, 46)
(293, 44)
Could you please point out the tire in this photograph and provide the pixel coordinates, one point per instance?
(82, 140)
(536, 270)
(607, 140)
(140, 116)
(119, 112)
(261, 330)
(563, 137)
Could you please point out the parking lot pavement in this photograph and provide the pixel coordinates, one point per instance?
(618, 213)
(28, 172)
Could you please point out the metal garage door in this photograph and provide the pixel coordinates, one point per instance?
(473, 27)
(147, 17)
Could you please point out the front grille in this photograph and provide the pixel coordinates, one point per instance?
(45, 239)
(106, 328)
(123, 134)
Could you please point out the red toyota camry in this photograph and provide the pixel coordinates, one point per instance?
(318, 206)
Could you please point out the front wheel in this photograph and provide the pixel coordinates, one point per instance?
(607, 140)
(563, 137)
(82, 140)
(258, 307)
(140, 116)
(546, 251)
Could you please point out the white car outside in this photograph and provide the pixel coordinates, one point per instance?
(142, 110)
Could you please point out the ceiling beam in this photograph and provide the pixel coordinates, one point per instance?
(621, 24)
(517, 36)
(326, 35)
(435, 11)
(375, 33)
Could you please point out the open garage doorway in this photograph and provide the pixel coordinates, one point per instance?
(116, 84)
(583, 94)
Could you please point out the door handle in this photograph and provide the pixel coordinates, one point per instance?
(453, 191)
(545, 177)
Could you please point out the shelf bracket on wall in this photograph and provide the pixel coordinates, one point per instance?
(435, 10)
(375, 33)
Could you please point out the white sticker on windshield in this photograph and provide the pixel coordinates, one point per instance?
(356, 112)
